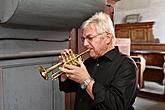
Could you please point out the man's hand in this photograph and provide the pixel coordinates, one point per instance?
(77, 73)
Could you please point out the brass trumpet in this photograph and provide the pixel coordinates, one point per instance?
(72, 59)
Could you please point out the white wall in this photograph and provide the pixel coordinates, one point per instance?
(150, 10)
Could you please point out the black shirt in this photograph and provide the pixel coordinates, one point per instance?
(115, 83)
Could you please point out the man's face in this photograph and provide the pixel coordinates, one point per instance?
(96, 42)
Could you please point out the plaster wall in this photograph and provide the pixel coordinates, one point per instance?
(150, 10)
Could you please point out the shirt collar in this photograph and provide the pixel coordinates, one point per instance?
(111, 54)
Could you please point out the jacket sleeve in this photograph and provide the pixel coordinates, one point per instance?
(68, 86)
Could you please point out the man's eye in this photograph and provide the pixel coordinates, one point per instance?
(90, 38)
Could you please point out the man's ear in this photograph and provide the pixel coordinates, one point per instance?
(109, 38)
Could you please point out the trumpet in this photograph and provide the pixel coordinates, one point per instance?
(71, 59)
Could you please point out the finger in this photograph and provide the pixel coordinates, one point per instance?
(80, 62)
(67, 75)
(65, 57)
(68, 51)
(60, 57)
(70, 67)
(65, 70)
(63, 77)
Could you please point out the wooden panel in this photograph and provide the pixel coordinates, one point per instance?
(124, 33)
(73, 44)
(140, 62)
(73, 40)
(148, 46)
(154, 64)
(138, 32)
(69, 101)
(139, 35)
(153, 53)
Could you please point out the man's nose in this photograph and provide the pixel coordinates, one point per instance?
(86, 43)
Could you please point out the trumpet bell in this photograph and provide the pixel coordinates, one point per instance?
(43, 72)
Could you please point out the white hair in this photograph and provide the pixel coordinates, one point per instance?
(102, 23)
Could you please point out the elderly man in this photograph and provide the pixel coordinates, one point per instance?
(107, 79)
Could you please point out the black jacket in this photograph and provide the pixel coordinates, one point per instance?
(115, 83)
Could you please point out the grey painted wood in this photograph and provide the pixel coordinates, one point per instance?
(17, 46)
(1, 90)
(22, 87)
